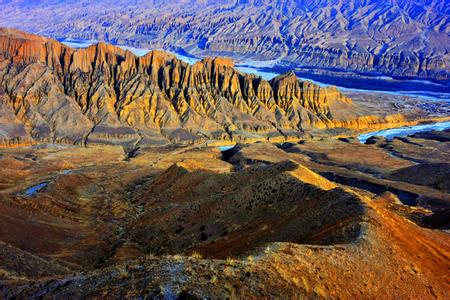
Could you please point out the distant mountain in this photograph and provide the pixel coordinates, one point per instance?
(404, 38)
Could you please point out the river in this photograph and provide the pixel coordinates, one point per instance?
(389, 134)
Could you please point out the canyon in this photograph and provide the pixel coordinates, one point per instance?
(145, 176)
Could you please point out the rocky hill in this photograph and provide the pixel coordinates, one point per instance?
(104, 94)
(192, 223)
(404, 38)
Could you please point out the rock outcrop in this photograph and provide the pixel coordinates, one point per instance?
(108, 95)
(104, 94)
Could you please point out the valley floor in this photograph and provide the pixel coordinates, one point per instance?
(323, 217)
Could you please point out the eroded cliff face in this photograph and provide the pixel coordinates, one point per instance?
(404, 38)
(105, 94)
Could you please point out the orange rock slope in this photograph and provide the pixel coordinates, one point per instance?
(103, 94)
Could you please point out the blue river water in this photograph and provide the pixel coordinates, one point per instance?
(389, 134)
(31, 191)
(225, 148)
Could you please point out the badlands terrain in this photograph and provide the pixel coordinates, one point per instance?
(328, 217)
(401, 38)
(115, 182)
(103, 94)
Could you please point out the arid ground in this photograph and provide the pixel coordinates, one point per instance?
(322, 217)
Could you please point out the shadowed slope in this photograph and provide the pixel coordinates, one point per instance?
(362, 248)
(230, 214)
(131, 228)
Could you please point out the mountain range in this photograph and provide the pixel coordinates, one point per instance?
(159, 177)
(400, 38)
(103, 94)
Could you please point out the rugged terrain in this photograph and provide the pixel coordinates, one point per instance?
(257, 220)
(403, 38)
(111, 184)
(103, 94)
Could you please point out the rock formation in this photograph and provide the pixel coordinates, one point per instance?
(403, 38)
(104, 94)
(107, 95)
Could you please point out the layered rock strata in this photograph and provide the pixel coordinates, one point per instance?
(103, 94)
(403, 38)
